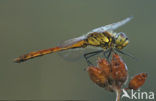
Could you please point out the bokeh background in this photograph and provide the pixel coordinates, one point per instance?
(28, 25)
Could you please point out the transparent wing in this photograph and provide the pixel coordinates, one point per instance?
(112, 26)
(74, 55)
(72, 41)
(109, 27)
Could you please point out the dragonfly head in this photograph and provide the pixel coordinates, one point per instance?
(121, 40)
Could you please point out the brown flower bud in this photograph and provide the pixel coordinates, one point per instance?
(119, 70)
(97, 76)
(137, 81)
(105, 66)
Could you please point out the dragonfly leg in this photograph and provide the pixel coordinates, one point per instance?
(88, 55)
(107, 53)
(127, 54)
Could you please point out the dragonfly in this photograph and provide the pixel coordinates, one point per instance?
(103, 37)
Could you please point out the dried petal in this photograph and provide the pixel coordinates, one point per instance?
(97, 76)
(137, 81)
(105, 66)
(119, 70)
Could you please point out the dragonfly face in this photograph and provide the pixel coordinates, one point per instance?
(121, 40)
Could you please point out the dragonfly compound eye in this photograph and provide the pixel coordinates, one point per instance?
(121, 40)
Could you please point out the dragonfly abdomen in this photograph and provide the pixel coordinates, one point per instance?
(48, 51)
(36, 54)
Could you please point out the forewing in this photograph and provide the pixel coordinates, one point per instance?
(112, 26)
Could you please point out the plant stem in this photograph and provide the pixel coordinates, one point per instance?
(118, 93)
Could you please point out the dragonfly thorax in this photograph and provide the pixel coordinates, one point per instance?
(121, 40)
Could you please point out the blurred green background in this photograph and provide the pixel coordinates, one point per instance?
(28, 25)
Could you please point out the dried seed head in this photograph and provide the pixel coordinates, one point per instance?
(105, 66)
(112, 75)
(119, 70)
(137, 81)
(97, 76)
(109, 75)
